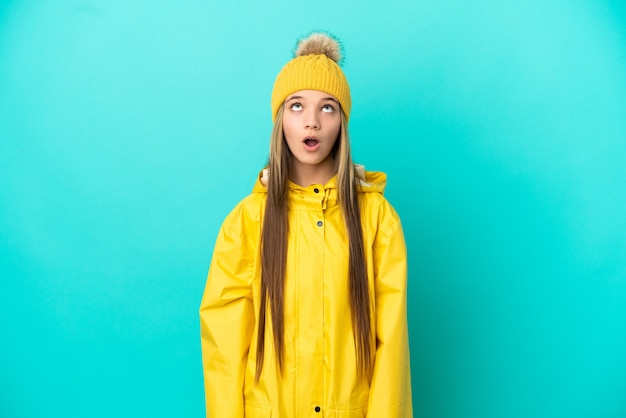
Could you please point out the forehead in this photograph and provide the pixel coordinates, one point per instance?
(312, 95)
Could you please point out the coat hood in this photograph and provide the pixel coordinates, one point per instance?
(371, 181)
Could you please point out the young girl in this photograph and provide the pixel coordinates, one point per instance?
(304, 310)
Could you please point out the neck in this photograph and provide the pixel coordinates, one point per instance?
(305, 175)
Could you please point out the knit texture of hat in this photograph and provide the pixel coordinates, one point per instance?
(315, 67)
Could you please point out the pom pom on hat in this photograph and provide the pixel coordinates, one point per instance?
(314, 67)
(320, 43)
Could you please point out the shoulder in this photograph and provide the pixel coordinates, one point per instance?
(247, 212)
(377, 212)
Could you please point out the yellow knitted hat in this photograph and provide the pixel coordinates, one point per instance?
(314, 67)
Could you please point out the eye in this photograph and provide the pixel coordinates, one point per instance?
(296, 106)
(328, 108)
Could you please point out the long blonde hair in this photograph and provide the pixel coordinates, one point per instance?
(274, 248)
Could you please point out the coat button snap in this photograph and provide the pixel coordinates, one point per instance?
(317, 409)
(320, 223)
(316, 190)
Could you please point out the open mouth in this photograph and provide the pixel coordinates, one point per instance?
(311, 142)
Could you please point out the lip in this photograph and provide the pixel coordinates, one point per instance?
(311, 143)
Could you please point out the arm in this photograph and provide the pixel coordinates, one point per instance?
(227, 320)
(390, 389)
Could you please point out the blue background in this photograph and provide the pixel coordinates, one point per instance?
(129, 129)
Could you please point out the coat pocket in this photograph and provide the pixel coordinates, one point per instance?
(255, 411)
(358, 412)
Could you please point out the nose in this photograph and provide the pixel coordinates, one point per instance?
(311, 120)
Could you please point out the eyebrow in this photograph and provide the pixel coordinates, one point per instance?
(301, 97)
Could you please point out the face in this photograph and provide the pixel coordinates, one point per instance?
(311, 124)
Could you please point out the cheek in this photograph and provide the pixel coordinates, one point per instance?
(289, 133)
(287, 128)
(336, 127)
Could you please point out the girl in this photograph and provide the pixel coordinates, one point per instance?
(304, 310)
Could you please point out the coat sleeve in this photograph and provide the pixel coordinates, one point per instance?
(390, 389)
(227, 319)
